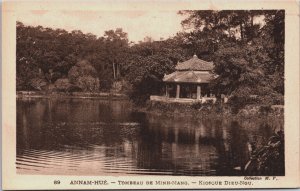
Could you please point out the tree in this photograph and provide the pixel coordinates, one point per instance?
(84, 76)
(273, 35)
(27, 68)
(232, 23)
(116, 46)
(146, 65)
(44, 53)
(248, 57)
(49, 54)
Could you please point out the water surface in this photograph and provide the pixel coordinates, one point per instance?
(101, 137)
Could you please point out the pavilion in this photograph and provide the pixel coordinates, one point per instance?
(189, 83)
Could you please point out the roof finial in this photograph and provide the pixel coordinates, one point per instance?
(195, 56)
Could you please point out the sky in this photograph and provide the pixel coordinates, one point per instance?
(138, 24)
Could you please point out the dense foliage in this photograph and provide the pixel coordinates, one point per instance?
(247, 48)
(147, 64)
(48, 55)
(84, 76)
(268, 160)
(248, 55)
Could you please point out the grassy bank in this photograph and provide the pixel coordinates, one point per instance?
(44, 94)
(198, 110)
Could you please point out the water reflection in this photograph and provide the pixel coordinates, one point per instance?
(94, 137)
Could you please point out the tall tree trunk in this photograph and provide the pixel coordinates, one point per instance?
(114, 70)
(242, 32)
(228, 29)
(118, 70)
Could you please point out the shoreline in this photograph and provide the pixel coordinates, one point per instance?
(211, 111)
(79, 95)
(167, 109)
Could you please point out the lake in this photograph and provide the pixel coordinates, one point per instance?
(100, 137)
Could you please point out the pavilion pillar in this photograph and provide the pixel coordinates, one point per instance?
(198, 92)
(178, 91)
(167, 90)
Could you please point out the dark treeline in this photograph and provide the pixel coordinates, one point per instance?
(248, 57)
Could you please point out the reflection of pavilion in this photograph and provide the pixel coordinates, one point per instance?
(179, 146)
(189, 82)
(184, 146)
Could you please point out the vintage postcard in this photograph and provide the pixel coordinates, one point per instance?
(150, 94)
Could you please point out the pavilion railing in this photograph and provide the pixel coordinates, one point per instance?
(181, 100)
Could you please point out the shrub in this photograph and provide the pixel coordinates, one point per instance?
(62, 84)
(121, 86)
(269, 159)
(236, 103)
(88, 83)
(265, 109)
(106, 84)
(196, 105)
(38, 83)
(209, 102)
(82, 68)
(84, 76)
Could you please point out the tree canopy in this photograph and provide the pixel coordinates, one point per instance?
(247, 47)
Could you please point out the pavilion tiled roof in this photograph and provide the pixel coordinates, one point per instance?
(195, 64)
(189, 77)
(193, 70)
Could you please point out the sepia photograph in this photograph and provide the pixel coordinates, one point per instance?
(127, 93)
(151, 93)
